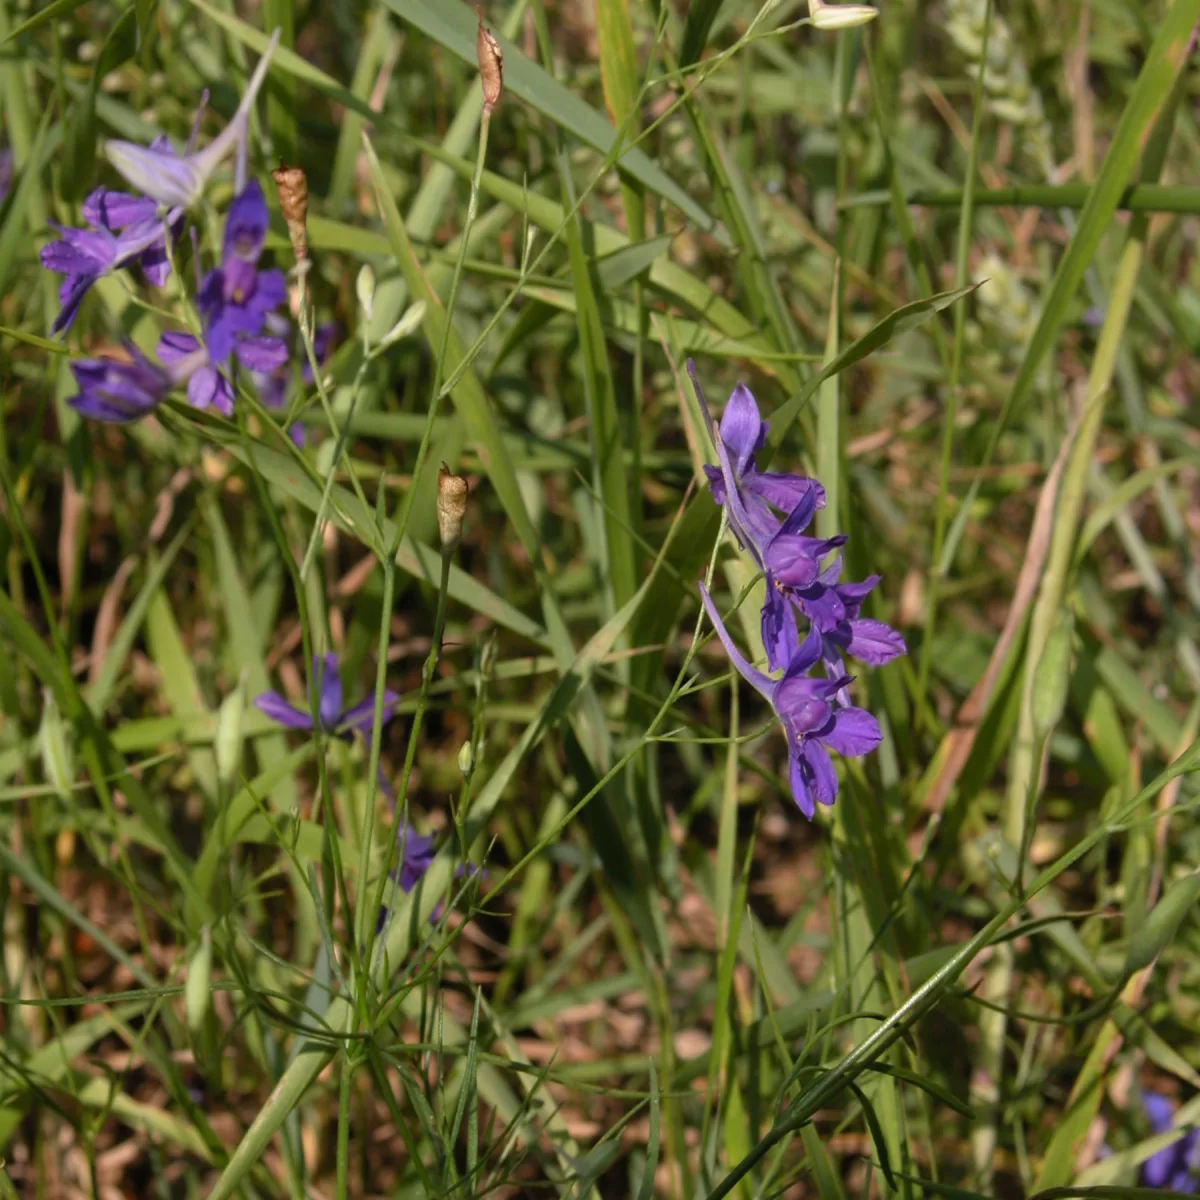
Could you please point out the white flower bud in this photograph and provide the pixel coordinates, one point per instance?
(840, 16)
(365, 287)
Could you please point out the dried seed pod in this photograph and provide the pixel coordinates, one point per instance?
(451, 508)
(491, 66)
(291, 185)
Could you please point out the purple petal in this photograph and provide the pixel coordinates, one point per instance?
(245, 226)
(764, 683)
(743, 431)
(800, 710)
(164, 177)
(800, 792)
(779, 634)
(362, 716)
(792, 559)
(261, 353)
(853, 732)
(208, 388)
(874, 642)
(71, 296)
(112, 210)
(270, 291)
(79, 252)
(119, 391)
(1159, 1167)
(329, 688)
(221, 331)
(273, 705)
(820, 771)
(1159, 1111)
(822, 606)
(174, 346)
(416, 852)
(805, 655)
(785, 492)
(716, 482)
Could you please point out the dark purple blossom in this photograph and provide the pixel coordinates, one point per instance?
(236, 297)
(416, 855)
(115, 391)
(805, 706)
(208, 387)
(1175, 1167)
(176, 181)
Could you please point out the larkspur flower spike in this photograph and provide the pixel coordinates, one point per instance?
(816, 713)
(179, 181)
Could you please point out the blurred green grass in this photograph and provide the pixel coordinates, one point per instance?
(970, 300)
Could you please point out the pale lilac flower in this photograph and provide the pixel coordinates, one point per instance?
(179, 181)
(805, 707)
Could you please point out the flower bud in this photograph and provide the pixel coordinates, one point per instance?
(227, 745)
(197, 991)
(364, 285)
(410, 322)
(466, 759)
(491, 66)
(291, 185)
(56, 750)
(451, 508)
(840, 16)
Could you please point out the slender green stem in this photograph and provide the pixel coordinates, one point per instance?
(1139, 197)
(402, 516)
(343, 1129)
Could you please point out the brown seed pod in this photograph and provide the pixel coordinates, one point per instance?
(451, 508)
(491, 66)
(291, 186)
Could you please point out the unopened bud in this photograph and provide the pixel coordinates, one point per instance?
(840, 16)
(56, 749)
(291, 185)
(410, 322)
(451, 508)
(197, 990)
(364, 285)
(491, 66)
(227, 745)
(466, 759)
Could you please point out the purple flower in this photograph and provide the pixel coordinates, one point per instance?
(416, 854)
(175, 181)
(747, 493)
(82, 256)
(812, 722)
(1175, 1166)
(115, 391)
(334, 719)
(208, 387)
(235, 298)
(6, 173)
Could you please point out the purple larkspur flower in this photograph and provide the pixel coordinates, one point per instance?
(805, 707)
(1175, 1167)
(416, 855)
(749, 497)
(333, 717)
(116, 391)
(235, 298)
(178, 181)
(123, 234)
(208, 386)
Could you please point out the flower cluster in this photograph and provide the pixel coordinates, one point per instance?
(236, 301)
(768, 514)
